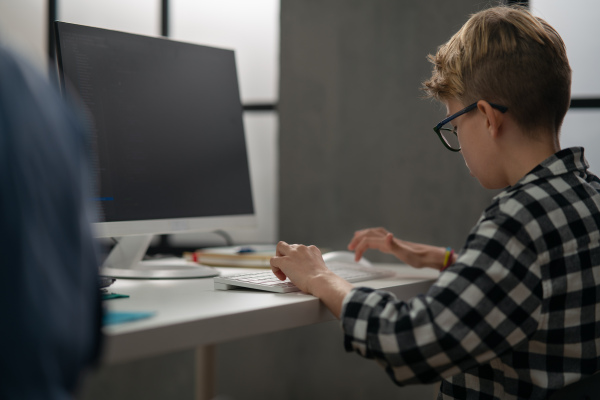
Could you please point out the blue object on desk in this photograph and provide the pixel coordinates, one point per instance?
(109, 296)
(244, 250)
(118, 317)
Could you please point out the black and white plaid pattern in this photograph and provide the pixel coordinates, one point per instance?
(518, 314)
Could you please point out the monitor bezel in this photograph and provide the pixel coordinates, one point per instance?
(192, 224)
(173, 226)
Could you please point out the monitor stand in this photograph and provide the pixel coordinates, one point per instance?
(125, 261)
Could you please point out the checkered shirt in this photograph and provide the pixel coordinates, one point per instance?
(518, 315)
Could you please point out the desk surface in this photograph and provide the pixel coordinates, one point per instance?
(191, 313)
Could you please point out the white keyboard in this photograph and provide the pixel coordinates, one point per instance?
(266, 280)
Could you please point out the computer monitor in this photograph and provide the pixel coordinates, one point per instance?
(170, 149)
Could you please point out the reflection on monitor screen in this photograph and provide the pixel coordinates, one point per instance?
(167, 125)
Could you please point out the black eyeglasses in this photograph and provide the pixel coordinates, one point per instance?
(447, 133)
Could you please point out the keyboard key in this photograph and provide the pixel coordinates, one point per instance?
(267, 281)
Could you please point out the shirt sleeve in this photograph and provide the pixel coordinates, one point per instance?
(486, 303)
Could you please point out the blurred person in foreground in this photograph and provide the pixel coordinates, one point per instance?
(49, 299)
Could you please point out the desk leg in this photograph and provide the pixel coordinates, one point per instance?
(205, 372)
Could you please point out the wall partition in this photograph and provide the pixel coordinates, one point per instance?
(576, 21)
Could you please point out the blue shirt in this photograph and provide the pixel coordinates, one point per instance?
(49, 299)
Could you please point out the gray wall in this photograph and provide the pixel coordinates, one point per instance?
(357, 147)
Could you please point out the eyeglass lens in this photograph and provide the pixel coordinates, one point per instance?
(449, 135)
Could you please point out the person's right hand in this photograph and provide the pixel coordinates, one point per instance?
(373, 238)
(415, 254)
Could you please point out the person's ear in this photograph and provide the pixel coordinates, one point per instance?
(493, 118)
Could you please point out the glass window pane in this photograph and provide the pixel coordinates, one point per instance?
(577, 23)
(251, 28)
(135, 16)
(23, 26)
(581, 128)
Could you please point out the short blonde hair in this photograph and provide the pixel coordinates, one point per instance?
(506, 56)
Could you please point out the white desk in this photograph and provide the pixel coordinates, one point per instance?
(191, 314)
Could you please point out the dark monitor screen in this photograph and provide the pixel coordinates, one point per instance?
(167, 121)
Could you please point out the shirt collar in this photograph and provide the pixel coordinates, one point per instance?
(562, 162)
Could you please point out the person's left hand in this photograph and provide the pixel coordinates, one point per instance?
(299, 263)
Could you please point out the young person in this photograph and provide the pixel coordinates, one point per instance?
(515, 313)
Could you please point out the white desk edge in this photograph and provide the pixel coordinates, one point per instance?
(191, 313)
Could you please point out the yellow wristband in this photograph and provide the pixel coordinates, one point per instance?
(447, 258)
